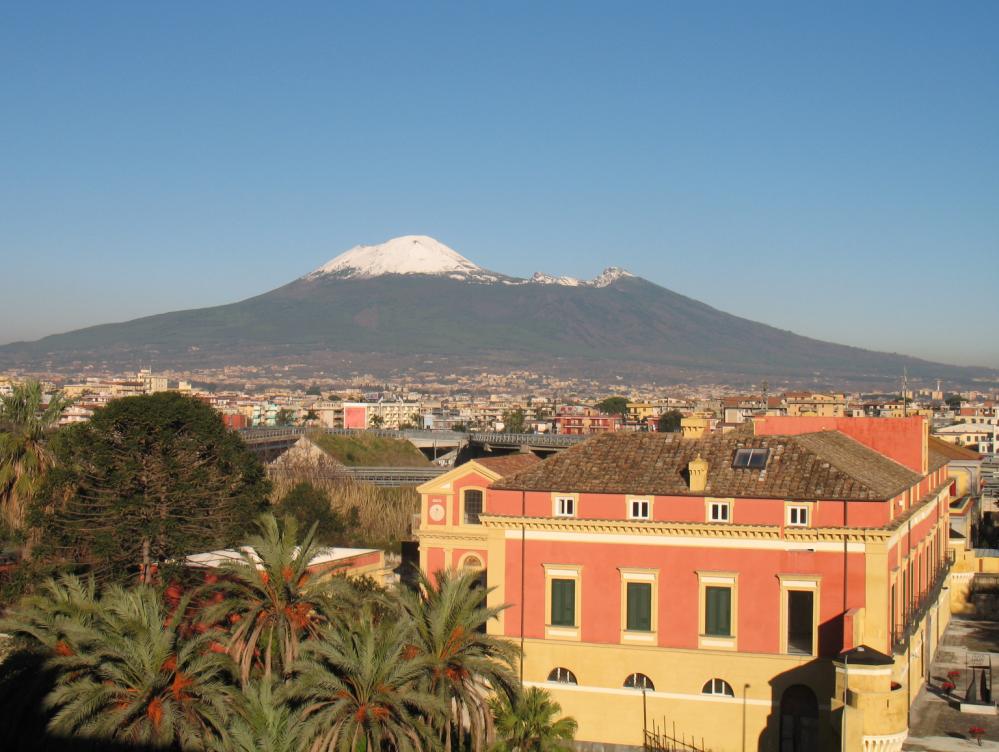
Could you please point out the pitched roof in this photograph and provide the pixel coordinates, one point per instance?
(508, 464)
(823, 465)
(952, 451)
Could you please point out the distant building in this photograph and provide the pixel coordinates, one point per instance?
(581, 420)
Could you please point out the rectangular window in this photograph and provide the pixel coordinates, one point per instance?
(639, 607)
(565, 506)
(719, 511)
(473, 507)
(639, 509)
(797, 516)
(800, 625)
(718, 611)
(563, 603)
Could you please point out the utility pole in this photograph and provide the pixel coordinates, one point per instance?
(905, 391)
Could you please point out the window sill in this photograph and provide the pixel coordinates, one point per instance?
(716, 642)
(553, 632)
(634, 636)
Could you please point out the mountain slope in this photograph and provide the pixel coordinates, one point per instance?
(389, 304)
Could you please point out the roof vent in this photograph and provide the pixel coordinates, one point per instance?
(698, 471)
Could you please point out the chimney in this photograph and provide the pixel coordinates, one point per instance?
(698, 471)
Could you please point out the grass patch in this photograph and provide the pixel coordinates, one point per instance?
(365, 450)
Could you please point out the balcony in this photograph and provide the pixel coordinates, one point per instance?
(913, 616)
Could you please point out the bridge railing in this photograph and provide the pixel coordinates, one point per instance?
(531, 439)
(385, 433)
(478, 437)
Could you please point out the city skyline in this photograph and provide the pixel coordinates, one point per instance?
(157, 161)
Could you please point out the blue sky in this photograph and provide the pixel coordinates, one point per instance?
(827, 168)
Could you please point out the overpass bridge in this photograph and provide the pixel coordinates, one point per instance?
(439, 446)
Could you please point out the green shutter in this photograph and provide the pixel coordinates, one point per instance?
(639, 607)
(564, 603)
(718, 615)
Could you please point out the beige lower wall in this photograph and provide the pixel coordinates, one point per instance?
(610, 714)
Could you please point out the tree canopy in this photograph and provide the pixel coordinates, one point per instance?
(613, 406)
(311, 506)
(513, 421)
(669, 421)
(148, 479)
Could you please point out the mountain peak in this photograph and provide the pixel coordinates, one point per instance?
(409, 254)
(609, 276)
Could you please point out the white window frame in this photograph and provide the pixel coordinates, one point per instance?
(561, 503)
(642, 504)
(718, 687)
(794, 514)
(718, 505)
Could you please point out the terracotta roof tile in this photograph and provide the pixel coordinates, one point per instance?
(508, 464)
(952, 451)
(824, 465)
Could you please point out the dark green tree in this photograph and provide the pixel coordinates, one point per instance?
(147, 480)
(315, 391)
(954, 401)
(669, 421)
(513, 421)
(311, 506)
(613, 406)
(284, 417)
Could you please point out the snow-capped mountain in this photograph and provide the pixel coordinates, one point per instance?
(421, 254)
(414, 303)
(408, 254)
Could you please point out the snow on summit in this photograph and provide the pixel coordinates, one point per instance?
(421, 254)
(409, 254)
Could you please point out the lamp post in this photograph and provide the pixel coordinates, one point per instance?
(744, 688)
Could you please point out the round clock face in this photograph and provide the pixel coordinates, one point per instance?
(437, 512)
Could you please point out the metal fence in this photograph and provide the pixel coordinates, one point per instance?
(661, 739)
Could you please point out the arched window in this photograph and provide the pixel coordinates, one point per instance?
(718, 687)
(471, 562)
(562, 676)
(639, 681)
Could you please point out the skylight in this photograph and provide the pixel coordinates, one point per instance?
(754, 459)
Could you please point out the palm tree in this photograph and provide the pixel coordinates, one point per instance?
(261, 723)
(125, 674)
(38, 627)
(45, 620)
(527, 724)
(25, 424)
(274, 601)
(359, 689)
(467, 666)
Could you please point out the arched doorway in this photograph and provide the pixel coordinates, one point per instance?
(799, 720)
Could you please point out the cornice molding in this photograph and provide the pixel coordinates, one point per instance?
(720, 530)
